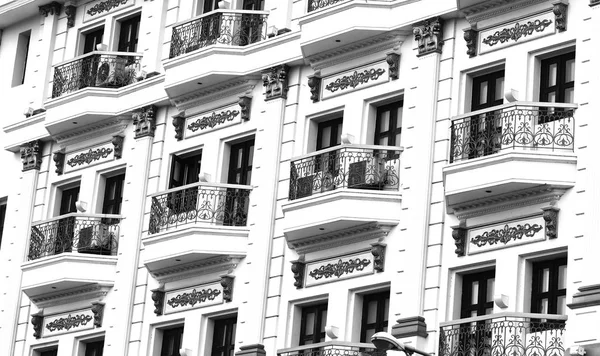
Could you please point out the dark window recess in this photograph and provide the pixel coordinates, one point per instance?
(66, 226)
(128, 37)
(252, 24)
(92, 39)
(113, 195)
(240, 172)
(388, 126)
(557, 80)
(374, 314)
(477, 299)
(312, 324)
(52, 352)
(94, 348)
(329, 134)
(210, 5)
(549, 287)
(224, 337)
(21, 58)
(184, 171)
(2, 217)
(171, 342)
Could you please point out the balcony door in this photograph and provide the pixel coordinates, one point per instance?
(312, 324)
(128, 36)
(94, 348)
(549, 287)
(486, 129)
(375, 312)
(171, 341)
(477, 300)
(209, 5)
(251, 29)
(66, 226)
(240, 172)
(92, 39)
(557, 81)
(184, 171)
(388, 125)
(224, 337)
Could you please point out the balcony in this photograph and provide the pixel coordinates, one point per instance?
(223, 45)
(504, 334)
(196, 223)
(340, 188)
(510, 150)
(332, 348)
(71, 251)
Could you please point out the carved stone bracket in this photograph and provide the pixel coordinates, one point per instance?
(144, 121)
(378, 252)
(59, 162)
(560, 16)
(459, 234)
(70, 11)
(298, 268)
(227, 284)
(551, 219)
(470, 37)
(158, 296)
(37, 321)
(31, 155)
(428, 35)
(179, 123)
(275, 81)
(117, 142)
(52, 8)
(393, 61)
(245, 104)
(98, 311)
(314, 83)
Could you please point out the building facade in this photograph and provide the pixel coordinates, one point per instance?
(270, 177)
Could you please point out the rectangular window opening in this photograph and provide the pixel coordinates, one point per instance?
(21, 58)
(223, 343)
(171, 341)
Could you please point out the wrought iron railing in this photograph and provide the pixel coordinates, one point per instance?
(333, 348)
(239, 28)
(96, 69)
(320, 4)
(345, 166)
(91, 234)
(527, 126)
(200, 203)
(505, 334)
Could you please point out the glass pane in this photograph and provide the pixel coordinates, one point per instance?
(384, 121)
(111, 191)
(489, 297)
(383, 141)
(233, 329)
(323, 320)
(545, 279)
(551, 97)
(473, 313)
(489, 311)
(369, 333)
(474, 292)
(386, 310)
(570, 71)
(561, 304)
(338, 138)
(398, 141)
(483, 92)
(239, 158)
(177, 172)
(544, 306)
(562, 277)
(248, 178)
(569, 95)
(325, 135)
(399, 118)
(250, 156)
(552, 74)
(310, 324)
(499, 88)
(372, 312)
(238, 178)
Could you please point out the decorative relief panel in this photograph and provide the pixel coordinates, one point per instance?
(334, 269)
(68, 322)
(517, 32)
(89, 157)
(358, 78)
(99, 8)
(213, 120)
(493, 237)
(193, 297)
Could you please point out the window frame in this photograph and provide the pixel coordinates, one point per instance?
(92, 31)
(380, 325)
(230, 336)
(332, 123)
(393, 108)
(553, 292)
(161, 345)
(318, 309)
(21, 58)
(466, 307)
(561, 86)
(127, 20)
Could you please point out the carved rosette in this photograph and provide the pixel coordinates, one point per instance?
(52, 8)
(470, 37)
(298, 268)
(245, 103)
(428, 35)
(117, 142)
(31, 155)
(179, 124)
(37, 321)
(144, 121)
(378, 252)
(275, 81)
(59, 162)
(459, 234)
(158, 296)
(314, 83)
(227, 284)
(560, 16)
(98, 311)
(393, 61)
(551, 218)
(70, 11)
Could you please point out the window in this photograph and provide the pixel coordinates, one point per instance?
(184, 171)
(312, 324)
(128, 37)
(388, 126)
(50, 352)
(329, 133)
(20, 67)
(374, 314)
(224, 337)
(171, 341)
(207, 6)
(94, 348)
(240, 172)
(92, 39)
(66, 226)
(557, 80)
(2, 217)
(113, 195)
(477, 294)
(549, 286)
(252, 28)
(488, 90)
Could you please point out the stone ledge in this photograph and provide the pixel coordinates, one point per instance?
(586, 297)
(407, 327)
(251, 350)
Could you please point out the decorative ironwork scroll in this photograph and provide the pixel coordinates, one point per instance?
(354, 80)
(89, 157)
(516, 32)
(298, 268)
(320, 4)
(193, 298)
(213, 120)
(31, 155)
(105, 6)
(506, 234)
(158, 297)
(69, 322)
(340, 268)
(428, 35)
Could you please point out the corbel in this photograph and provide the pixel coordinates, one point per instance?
(37, 321)
(179, 123)
(98, 311)
(393, 61)
(227, 284)
(158, 296)
(314, 83)
(470, 37)
(560, 15)
(551, 218)
(245, 103)
(378, 252)
(117, 142)
(298, 268)
(459, 234)
(59, 161)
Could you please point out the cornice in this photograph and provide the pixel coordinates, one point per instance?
(107, 128)
(87, 292)
(494, 8)
(232, 88)
(224, 263)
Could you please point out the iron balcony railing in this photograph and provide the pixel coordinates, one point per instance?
(345, 166)
(526, 126)
(333, 348)
(200, 203)
(96, 69)
(90, 233)
(227, 27)
(504, 334)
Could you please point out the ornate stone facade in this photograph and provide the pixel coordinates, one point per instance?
(144, 121)
(31, 155)
(428, 35)
(275, 81)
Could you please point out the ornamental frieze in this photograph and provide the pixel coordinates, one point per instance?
(505, 234)
(354, 79)
(194, 297)
(89, 156)
(516, 32)
(69, 322)
(213, 120)
(338, 268)
(102, 7)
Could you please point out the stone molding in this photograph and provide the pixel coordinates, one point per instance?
(144, 120)
(225, 263)
(233, 88)
(409, 327)
(275, 81)
(428, 35)
(251, 350)
(112, 127)
(31, 155)
(59, 161)
(586, 297)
